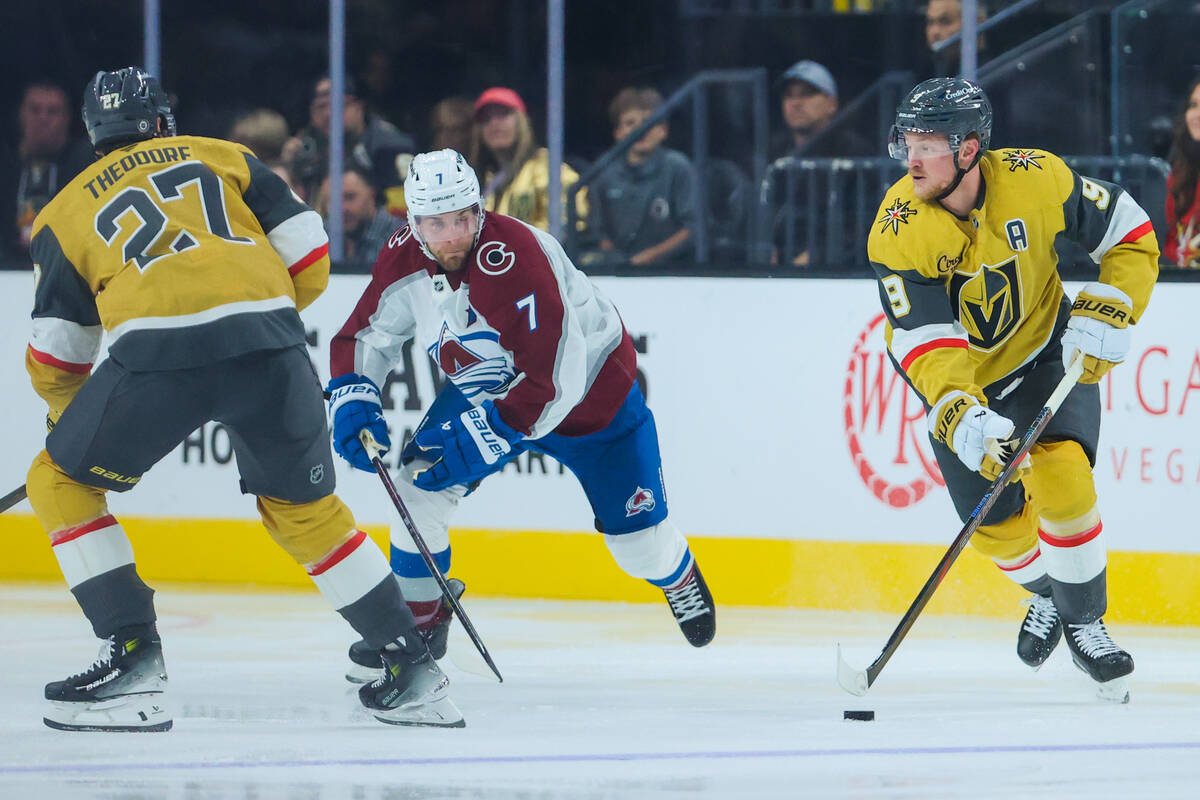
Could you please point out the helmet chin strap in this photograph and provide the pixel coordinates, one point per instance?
(960, 174)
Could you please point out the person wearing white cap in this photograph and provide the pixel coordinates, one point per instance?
(808, 101)
(808, 97)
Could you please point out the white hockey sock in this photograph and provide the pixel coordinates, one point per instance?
(349, 571)
(1025, 568)
(431, 513)
(659, 555)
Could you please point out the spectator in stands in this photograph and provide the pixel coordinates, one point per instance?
(371, 142)
(1182, 245)
(642, 207)
(366, 225)
(45, 159)
(943, 19)
(808, 98)
(515, 172)
(808, 102)
(450, 124)
(264, 131)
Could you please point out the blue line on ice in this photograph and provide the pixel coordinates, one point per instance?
(598, 757)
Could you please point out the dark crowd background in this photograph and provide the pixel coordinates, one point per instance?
(224, 58)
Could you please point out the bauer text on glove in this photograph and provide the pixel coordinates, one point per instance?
(464, 448)
(1098, 328)
(353, 407)
(976, 434)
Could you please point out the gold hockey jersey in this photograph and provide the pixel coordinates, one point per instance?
(971, 302)
(186, 250)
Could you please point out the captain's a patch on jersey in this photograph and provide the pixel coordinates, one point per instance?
(1023, 159)
(899, 211)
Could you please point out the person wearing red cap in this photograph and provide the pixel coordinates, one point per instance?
(515, 171)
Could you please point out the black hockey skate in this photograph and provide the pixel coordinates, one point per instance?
(1094, 652)
(123, 690)
(412, 691)
(1040, 631)
(692, 605)
(366, 665)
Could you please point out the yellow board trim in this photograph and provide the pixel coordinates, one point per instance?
(1152, 588)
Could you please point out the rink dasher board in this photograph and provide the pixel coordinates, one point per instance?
(786, 436)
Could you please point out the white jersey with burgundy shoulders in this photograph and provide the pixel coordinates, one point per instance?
(519, 324)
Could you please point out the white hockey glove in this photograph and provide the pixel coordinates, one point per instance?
(977, 435)
(1098, 328)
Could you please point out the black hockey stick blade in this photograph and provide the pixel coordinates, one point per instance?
(858, 682)
(12, 498)
(373, 450)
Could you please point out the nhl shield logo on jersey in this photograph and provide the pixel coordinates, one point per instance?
(898, 212)
(476, 362)
(988, 303)
(884, 423)
(1023, 159)
(641, 500)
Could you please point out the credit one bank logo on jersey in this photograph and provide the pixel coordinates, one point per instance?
(475, 362)
(885, 425)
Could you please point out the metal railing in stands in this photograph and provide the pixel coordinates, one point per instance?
(885, 93)
(695, 92)
(821, 209)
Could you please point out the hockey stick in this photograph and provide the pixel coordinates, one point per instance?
(373, 451)
(12, 498)
(857, 682)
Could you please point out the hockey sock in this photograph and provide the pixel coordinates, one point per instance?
(356, 580)
(659, 554)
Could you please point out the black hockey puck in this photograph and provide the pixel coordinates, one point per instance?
(861, 716)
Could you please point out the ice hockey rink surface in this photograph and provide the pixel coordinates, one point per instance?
(603, 701)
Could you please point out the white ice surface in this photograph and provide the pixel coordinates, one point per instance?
(603, 701)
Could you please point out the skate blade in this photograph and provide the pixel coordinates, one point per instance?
(1114, 691)
(134, 713)
(360, 674)
(441, 713)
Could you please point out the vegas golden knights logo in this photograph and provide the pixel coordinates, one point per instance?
(988, 303)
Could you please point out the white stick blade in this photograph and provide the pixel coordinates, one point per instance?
(464, 655)
(852, 680)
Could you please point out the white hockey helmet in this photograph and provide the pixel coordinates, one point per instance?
(439, 182)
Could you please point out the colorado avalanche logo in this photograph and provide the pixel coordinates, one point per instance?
(464, 363)
(399, 237)
(641, 500)
(493, 258)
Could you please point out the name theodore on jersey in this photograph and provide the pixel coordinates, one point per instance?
(108, 177)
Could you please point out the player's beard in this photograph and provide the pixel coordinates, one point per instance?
(929, 188)
(450, 259)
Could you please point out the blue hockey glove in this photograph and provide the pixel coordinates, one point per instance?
(465, 448)
(354, 406)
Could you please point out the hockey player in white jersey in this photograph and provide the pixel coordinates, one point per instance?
(536, 359)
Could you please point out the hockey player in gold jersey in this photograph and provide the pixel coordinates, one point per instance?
(980, 326)
(195, 259)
